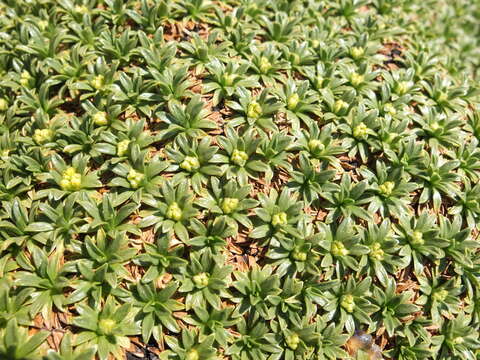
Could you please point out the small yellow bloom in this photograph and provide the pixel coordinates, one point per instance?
(174, 212)
(316, 145)
(356, 79)
(357, 52)
(386, 188)
(229, 205)
(389, 109)
(41, 136)
(122, 147)
(348, 303)
(25, 78)
(106, 326)
(254, 110)
(292, 341)
(293, 101)
(360, 131)
(417, 238)
(192, 355)
(239, 157)
(100, 118)
(265, 65)
(42, 24)
(280, 219)
(71, 180)
(229, 79)
(299, 255)
(201, 280)
(190, 163)
(134, 177)
(402, 87)
(81, 9)
(338, 249)
(3, 104)
(376, 252)
(339, 106)
(97, 82)
(440, 295)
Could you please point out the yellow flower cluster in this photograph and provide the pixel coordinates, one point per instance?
(279, 219)
(190, 163)
(134, 178)
(174, 212)
(239, 157)
(41, 136)
(229, 205)
(292, 341)
(71, 180)
(201, 280)
(348, 303)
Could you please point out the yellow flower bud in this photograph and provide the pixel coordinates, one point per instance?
(265, 65)
(280, 219)
(42, 24)
(376, 252)
(292, 341)
(239, 157)
(402, 87)
(174, 212)
(41, 136)
(360, 131)
(65, 184)
(3, 104)
(81, 9)
(76, 182)
(254, 110)
(97, 82)
(417, 238)
(356, 79)
(348, 303)
(386, 188)
(339, 106)
(442, 97)
(135, 178)
(71, 180)
(458, 340)
(295, 59)
(357, 52)
(229, 79)
(389, 109)
(440, 295)
(100, 118)
(229, 205)
(192, 355)
(293, 101)
(316, 145)
(338, 249)
(106, 326)
(299, 255)
(201, 280)
(190, 163)
(122, 147)
(25, 78)
(70, 172)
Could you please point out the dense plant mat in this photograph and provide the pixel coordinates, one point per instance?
(244, 179)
